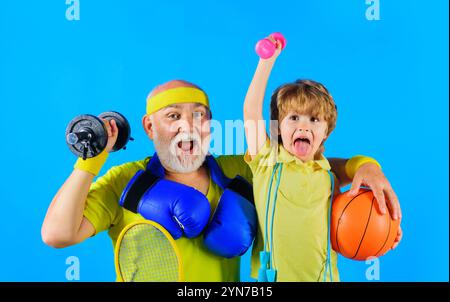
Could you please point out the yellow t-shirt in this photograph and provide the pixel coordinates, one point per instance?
(301, 214)
(199, 264)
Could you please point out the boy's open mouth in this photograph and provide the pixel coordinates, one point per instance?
(302, 139)
(302, 146)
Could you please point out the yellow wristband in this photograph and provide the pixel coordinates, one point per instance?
(92, 165)
(354, 163)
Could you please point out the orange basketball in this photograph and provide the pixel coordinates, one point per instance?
(358, 229)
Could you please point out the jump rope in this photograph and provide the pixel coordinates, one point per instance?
(267, 271)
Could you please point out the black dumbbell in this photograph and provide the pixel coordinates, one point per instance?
(86, 134)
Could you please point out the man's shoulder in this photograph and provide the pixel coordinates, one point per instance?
(229, 157)
(128, 169)
(132, 165)
(226, 161)
(233, 165)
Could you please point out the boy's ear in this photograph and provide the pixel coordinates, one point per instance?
(319, 152)
(325, 136)
(321, 149)
(147, 123)
(274, 130)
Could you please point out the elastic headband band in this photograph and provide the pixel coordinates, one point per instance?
(176, 96)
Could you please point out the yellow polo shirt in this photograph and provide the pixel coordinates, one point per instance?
(301, 214)
(104, 212)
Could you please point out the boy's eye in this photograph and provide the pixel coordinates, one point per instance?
(314, 119)
(293, 117)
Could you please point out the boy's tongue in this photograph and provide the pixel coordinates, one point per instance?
(301, 147)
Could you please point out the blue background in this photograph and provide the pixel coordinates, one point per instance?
(388, 77)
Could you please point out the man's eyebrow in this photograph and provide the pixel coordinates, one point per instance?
(200, 106)
(171, 106)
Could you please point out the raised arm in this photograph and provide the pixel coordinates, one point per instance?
(255, 130)
(64, 224)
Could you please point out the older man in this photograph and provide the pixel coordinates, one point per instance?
(178, 121)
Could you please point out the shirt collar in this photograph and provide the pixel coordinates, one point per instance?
(285, 157)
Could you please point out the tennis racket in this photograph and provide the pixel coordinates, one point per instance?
(146, 252)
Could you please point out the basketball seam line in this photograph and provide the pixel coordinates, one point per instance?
(365, 230)
(387, 237)
(343, 211)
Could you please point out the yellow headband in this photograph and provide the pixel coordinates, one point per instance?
(176, 96)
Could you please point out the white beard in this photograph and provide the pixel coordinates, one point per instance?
(181, 163)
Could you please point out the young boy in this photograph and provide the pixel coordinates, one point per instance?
(291, 178)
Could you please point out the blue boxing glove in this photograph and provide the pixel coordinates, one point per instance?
(233, 226)
(177, 207)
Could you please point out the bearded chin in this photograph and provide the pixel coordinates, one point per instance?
(183, 163)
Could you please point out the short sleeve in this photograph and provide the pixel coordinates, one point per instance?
(233, 165)
(266, 157)
(102, 207)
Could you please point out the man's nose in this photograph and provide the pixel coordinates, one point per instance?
(184, 125)
(187, 123)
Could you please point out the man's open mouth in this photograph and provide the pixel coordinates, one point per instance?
(186, 145)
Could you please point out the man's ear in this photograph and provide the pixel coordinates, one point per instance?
(147, 123)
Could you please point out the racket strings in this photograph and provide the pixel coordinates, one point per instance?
(145, 254)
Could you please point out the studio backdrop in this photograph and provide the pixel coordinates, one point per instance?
(385, 63)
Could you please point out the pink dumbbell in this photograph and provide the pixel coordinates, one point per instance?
(266, 48)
